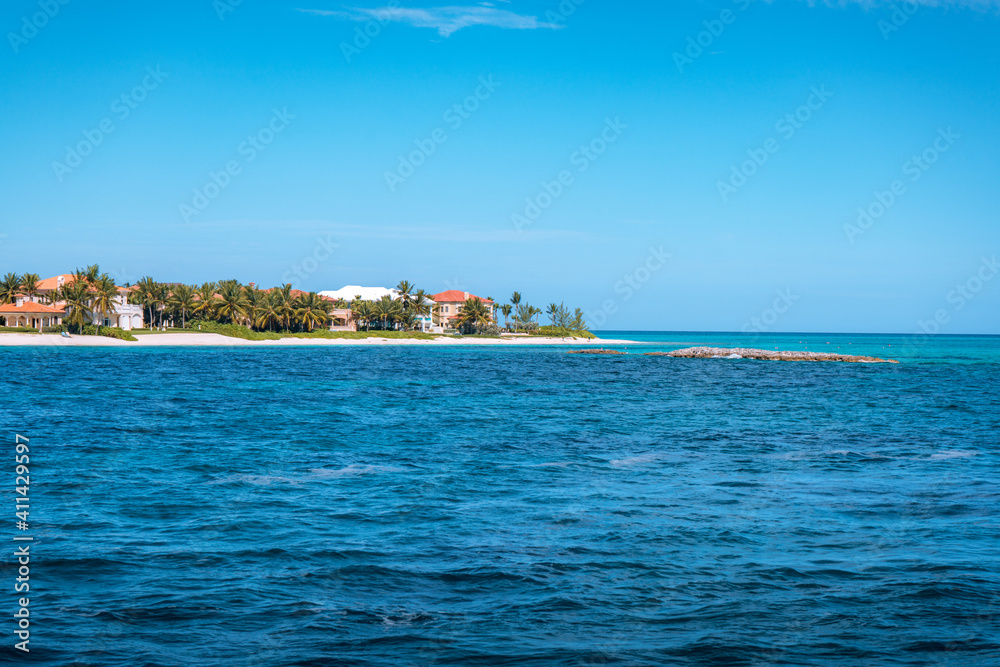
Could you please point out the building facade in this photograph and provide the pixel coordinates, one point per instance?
(27, 313)
(448, 306)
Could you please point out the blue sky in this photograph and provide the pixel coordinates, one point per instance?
(590, 160)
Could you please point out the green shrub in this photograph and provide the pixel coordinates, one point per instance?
(563, 332)
(18, 330)
(109, 332)
(233, 331)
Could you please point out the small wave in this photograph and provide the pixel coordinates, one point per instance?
(634, 460)
(951, 454)
(353, 469)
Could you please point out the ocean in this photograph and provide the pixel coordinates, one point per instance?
(510, 506)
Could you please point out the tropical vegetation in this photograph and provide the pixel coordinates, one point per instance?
(245, 310)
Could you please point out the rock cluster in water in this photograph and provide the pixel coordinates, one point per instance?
(770, 355)
(598, 351)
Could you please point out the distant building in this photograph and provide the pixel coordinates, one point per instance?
(349, 292)
(448, 305)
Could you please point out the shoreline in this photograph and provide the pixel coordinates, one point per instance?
(218, 340)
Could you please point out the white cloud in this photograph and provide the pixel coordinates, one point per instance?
(446, 20)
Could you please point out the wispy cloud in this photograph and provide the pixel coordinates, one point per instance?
(446, 20)
(983, 5)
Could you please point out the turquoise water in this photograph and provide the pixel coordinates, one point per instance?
(912, 348)
(484, 506)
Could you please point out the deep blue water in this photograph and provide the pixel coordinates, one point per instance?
(480, 506)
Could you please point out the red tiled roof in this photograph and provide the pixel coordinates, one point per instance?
(31, 307)
(456, 296)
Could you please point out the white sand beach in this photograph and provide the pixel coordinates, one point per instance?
(210, 339)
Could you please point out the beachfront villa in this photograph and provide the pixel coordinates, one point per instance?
(448, 305)
(27, 313)
(126, 315)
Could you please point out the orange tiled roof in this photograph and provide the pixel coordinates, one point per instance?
(455, 296)
(31, 307)
(50, 284)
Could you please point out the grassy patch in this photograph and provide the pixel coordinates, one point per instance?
(18, 330)
(234, 331)
(562, 332)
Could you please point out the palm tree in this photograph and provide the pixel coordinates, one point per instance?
(255, 304)
(552, 311)
(268, 313)
(388, 311)
(104, 297)
(420, 304)
(204, 307)
(91, 274)
(515, 300)
(312, 310)
(362, 312)
(405, 288)
(182, 299)
(285, 305)
(506, 310)
(77, 297)
(232, 301)
(29, 284)
(10, 287)
(160, 297)
(524, 314)
(144, 294)
(474, 312)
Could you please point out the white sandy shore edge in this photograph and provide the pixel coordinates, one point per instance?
(209, 339)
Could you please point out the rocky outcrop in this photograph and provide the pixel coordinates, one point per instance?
(598, 351)
(769, 355)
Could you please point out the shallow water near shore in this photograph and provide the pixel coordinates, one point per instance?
(498, 506)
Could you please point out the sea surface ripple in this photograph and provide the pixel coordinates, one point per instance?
(482, 506)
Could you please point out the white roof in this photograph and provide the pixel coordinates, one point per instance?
(348, 292)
